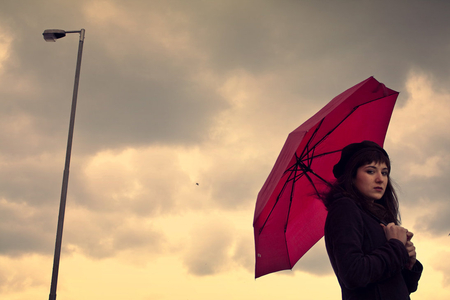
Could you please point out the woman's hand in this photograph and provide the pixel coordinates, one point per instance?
(412, 254)
(393, 231)
(411, 250)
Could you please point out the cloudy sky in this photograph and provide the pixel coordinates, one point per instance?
(179, 92)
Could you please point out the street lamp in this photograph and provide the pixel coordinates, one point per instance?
(51, 35)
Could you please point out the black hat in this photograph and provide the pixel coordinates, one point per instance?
(350, 150)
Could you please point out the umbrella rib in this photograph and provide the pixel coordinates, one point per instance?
(311, 138)
(307, 157)
(312, 183)
(305, 149)
(332, 130)
(289, 211)
(321, 154)
(290, 200)
(278, 197)
(300, 161)
(306, 168)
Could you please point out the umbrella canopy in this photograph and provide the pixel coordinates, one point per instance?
(289, 216)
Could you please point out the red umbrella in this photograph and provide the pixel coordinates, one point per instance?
(289, 217)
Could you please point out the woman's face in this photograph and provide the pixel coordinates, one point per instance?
(371, 180)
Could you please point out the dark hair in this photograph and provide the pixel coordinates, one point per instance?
(385, 209)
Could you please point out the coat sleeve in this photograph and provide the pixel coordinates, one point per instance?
(412, 277)
(344, 235)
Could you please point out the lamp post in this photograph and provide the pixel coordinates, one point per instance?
(50, 35)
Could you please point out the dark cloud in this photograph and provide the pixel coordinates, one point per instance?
(139, 97)
(34, 180)
(337, 42)
(132, 92)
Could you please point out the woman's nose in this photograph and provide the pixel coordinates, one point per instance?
(379, 177)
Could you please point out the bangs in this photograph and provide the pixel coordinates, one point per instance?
(375, 157)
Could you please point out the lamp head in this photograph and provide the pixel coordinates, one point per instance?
(51, 35)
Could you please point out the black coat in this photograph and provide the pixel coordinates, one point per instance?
(366, 264)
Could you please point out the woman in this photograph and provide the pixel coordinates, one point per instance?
(372, 255)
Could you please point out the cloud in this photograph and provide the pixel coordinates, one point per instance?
(21, 275)
(243, 254)
(157, 80)
(219, 242)
(144, 181)
(443, 266)
(430, 168)
(152, 93)
(420, 124)
(5, 47)
(418, 144)
(315, 261)
(433, 218)
(208, 249)
(102, 235)
(24, 230)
